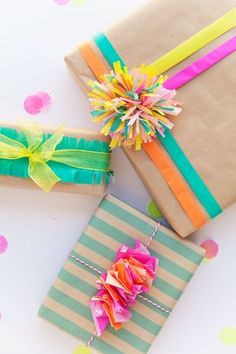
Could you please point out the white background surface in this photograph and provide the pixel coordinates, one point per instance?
(42, 228)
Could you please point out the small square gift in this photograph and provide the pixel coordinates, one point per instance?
(121, 281)
(62, 160)
(165, 48)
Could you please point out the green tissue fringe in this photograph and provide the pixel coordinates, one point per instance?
(67, 174)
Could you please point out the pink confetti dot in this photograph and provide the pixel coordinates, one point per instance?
(39, 102)
(46, 99)
(3, 244)
(62, 2)
(211, 248)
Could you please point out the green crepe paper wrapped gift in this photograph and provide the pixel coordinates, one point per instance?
(93, 157)
(115, 223)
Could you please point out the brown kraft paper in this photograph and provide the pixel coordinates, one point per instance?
(205, 129)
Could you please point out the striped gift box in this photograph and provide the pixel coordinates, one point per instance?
(115, 222)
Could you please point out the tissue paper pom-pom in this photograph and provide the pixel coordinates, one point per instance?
(132, 273)
(132, 105)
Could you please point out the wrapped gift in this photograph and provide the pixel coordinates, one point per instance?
(114, 223)
(191, 172)
(64, 160)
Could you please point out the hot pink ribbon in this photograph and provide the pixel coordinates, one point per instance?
(201, 65)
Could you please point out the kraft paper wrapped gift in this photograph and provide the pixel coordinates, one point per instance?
(115, 223)
(205, 129)
(87, 179)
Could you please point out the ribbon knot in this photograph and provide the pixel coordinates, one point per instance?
(31, 154)
(37, 151)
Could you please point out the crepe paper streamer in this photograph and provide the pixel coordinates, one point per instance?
(132, 273)
(3, 244)
(228, 336)
(31, 154)
(40, 102)
(107, 49)
(95, 64)
(83, 349)
(211, 249)
(191, 176)
(153, 211)
(194, 43)
(132, 106)
(201, 65)
(175, 183)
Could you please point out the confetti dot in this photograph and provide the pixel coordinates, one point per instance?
(211, 248)
(3, 244)
(228, 335)
(62, 2)
(46, 99)
(37, 103)
(153, 211)
(82, 349)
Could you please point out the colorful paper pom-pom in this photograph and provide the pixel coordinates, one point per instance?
(132, 105)
(132, 273)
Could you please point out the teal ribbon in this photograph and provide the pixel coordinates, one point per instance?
(181, 161)
(190, 174)
(89, 174)
(107, 49)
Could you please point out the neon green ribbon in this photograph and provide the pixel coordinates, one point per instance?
(40, 152)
